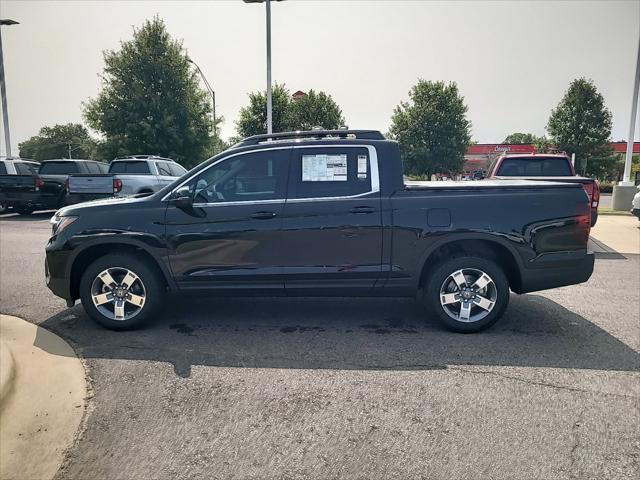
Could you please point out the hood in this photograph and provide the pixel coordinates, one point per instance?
(110, 203)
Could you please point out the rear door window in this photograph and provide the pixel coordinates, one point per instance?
(330, 172)
(534, 167)
(136, 167)
(58, 168)
(26, 168)
(3, 168)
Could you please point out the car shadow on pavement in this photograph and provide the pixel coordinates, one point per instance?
(343, 333)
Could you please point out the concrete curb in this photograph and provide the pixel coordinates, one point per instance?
(7, 371)
(42, 399)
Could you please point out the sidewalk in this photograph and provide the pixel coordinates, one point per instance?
(42, 400)
(619, 233)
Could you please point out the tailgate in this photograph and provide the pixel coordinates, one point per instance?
(90, 184)
(17, 183)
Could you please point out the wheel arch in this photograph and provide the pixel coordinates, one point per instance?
(486, 246)
(91, 252)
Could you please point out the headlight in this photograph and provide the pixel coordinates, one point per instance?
(58, 224)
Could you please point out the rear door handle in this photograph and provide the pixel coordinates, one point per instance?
(263, 215)
(362, 209)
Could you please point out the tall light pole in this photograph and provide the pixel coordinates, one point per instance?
(625, 190)
(211, 92)
(3, 91)
(269, 98)
(632, 122)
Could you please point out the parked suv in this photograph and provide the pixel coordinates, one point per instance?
(321, 213)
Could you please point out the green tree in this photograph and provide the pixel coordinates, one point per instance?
(151, 101)
(432, 129)
(60, 141)
(519, 138)
(253, 117)
(315, 109)
(581, 124)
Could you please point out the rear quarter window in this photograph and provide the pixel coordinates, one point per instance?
(534, 167)
(177, 170)
(133, 167)
(58, 168)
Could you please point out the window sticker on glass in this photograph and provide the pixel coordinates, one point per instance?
(324, 168)
(362, 166)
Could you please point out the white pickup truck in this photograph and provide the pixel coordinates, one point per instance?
(126, 176)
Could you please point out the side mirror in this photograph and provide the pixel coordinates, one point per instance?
(183, 202)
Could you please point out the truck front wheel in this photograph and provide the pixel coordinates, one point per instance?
(121, 292)
(467, 294)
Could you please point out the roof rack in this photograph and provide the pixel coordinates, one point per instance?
(144, 157)
(311, 135)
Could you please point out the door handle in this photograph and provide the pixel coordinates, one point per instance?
(263, 215)
(362, 209)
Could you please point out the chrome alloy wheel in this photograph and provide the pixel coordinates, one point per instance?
(468, 295)
(118, 293)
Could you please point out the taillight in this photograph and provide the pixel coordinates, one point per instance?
(39, 183)
(590, 189)
(595, 198)
(117, 185)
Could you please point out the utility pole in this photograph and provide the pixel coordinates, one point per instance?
(3, 91)
(269, 99)
(211, 92)
(269, 96)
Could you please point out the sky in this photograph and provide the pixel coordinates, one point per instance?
(512, 60)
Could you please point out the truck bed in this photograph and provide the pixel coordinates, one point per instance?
(509, 183)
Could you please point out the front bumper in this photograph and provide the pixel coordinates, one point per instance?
(557, 269)
(56, 275)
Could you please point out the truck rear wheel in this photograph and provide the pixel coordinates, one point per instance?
(120, 292)
(467, 294)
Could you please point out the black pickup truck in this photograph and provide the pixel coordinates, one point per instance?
(46, 189)
(323, 213)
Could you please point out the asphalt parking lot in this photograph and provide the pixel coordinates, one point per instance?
(344, 388)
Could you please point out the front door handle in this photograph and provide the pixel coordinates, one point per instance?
(263, 215)
(362, 209)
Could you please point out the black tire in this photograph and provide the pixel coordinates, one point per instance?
(153, 291)
(25, 210)
(431, 294)
(3, 208)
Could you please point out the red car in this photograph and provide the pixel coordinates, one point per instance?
(552, 168)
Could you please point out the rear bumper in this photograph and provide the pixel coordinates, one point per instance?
(557, 269)
(32, 200)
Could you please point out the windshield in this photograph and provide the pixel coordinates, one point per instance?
(534, 167)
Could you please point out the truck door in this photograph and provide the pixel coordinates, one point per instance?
(332, 220)
(231, 239)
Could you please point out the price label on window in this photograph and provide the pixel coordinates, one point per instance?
(324, 168)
